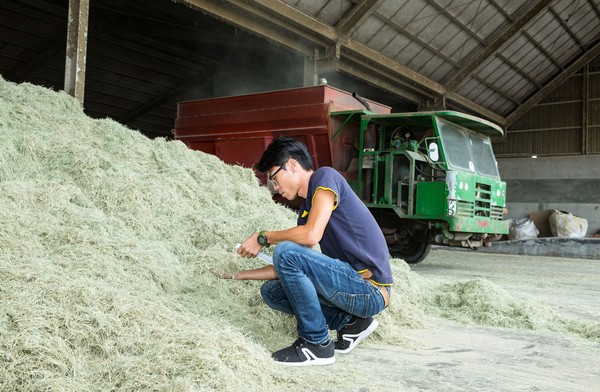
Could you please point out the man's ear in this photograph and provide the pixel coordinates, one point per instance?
(293, 165)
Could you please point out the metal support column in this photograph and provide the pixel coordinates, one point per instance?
(77, 34)
(586, 100)
(310, 69)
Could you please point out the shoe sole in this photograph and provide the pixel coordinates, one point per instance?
(357, 338)
(312, 362)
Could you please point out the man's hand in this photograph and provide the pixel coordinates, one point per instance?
(250, 247)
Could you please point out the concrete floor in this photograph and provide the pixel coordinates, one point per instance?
(453, 357)
(459, 358)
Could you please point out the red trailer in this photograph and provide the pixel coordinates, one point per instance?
(237, 129)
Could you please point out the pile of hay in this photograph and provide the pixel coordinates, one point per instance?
(481, 302)
(106, 243)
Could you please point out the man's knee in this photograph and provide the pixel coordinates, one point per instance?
(284, 247)
(269, 290)
(282, 252)
(274, 296)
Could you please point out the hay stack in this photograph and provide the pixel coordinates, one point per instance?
(106, 239)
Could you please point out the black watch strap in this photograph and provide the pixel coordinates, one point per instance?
(262, 238)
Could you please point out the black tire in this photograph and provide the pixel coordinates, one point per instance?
(412, 252)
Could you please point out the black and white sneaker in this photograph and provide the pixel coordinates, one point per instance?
(351, 334)
(302, 353)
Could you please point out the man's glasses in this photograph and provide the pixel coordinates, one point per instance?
(272, 176)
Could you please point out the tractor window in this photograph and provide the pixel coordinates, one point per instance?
(483, 155)
(467, 150)
(456, 146)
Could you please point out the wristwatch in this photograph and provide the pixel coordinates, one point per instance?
(262, 238)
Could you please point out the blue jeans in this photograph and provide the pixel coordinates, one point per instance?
(323, 293)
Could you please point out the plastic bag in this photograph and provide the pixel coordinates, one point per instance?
(564, 224)
(522, 229)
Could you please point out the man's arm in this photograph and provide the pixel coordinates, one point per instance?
(309, 234)
(264, 273)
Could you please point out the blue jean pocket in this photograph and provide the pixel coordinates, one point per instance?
(361, 305)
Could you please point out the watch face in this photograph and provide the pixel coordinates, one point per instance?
(262, 240)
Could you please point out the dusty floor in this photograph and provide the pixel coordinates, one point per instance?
(452, 357)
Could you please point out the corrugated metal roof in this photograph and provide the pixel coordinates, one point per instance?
(493, 54)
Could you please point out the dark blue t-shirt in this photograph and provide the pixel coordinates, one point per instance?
(352, 234)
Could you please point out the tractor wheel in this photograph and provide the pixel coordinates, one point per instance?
(412, 251)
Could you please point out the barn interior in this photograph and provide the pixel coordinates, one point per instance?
(530, 67)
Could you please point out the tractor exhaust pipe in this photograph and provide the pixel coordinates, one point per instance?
(362, 101)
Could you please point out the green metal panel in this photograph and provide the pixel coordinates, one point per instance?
(475, 203)
(426, 119)
(477, 225)
(431, 199)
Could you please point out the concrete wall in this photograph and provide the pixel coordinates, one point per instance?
(565, 183)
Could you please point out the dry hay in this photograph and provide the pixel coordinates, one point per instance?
(481, 302)
(106, 242)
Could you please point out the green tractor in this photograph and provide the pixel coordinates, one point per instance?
(428, 177)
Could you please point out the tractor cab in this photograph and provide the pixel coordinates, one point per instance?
(429, 177)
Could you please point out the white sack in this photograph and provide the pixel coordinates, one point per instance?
(567, 225)
(522, 229)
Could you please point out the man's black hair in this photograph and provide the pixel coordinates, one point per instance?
(282, 149)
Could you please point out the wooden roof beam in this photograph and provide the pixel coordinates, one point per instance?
(554, 83)
(490, 49)
(239, 16)
(356, 16)
(291, 23)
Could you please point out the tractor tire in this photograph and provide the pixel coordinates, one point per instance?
(413, 252)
